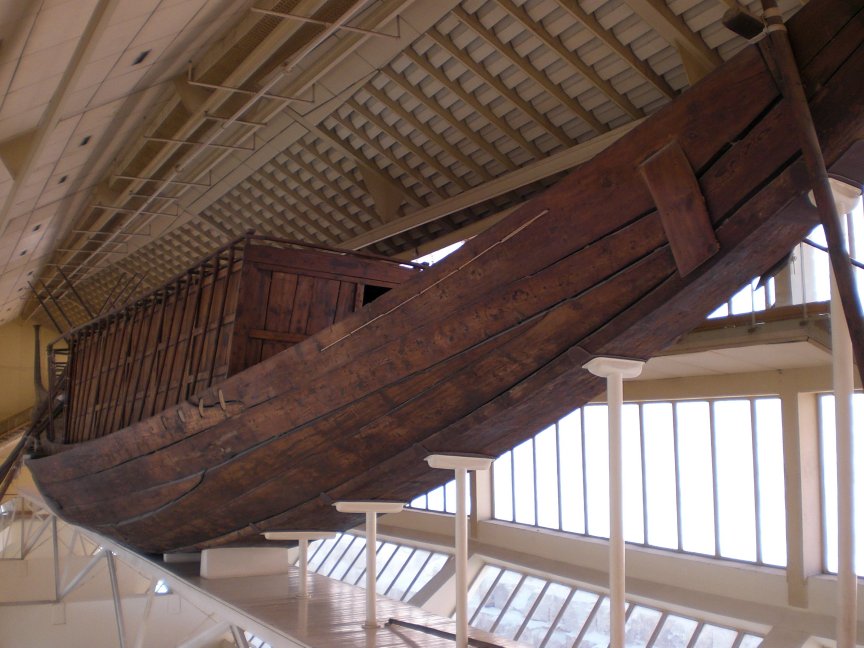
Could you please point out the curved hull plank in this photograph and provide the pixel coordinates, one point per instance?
(480, 351)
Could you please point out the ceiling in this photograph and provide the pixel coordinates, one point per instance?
(136, 136)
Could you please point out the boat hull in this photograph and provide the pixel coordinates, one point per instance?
(487, 347)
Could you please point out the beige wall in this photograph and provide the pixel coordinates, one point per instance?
(16, 366)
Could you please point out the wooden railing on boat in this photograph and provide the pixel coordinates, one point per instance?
(196, 330)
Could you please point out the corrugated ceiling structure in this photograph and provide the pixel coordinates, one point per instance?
(393, 126)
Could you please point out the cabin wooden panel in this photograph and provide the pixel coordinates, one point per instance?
(154, 353)
(289, 296)
(240, 306)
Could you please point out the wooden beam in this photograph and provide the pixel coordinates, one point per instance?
(433, 136)
(681, 205)
(572, 58)
(405, 141)
(533, 73)
(467, 131)
(675, 31)
(510, 94)
(346, 149)
(532, 173)
(321, 176)
(610, 40)
(470, 98)
(293, 178)
(390, 155)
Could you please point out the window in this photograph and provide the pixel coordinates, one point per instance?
(402, 570)
(438, 500)
(700, 476)
(828, 442)
(545, 613)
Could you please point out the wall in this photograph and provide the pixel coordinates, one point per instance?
(16, 366)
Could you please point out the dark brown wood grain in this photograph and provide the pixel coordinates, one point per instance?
(681, 206)
(476, 353)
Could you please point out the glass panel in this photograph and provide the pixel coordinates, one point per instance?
(403, 580)
(697, 487)
(660, 475)
(435, 565)
(357, 569)
(640, 626)
(519, 607)
(502, 487)
(546, 449)
(572, 493)
(357, 547)
(750, 641)
(572, 620)
(735, 485)
(721, 311)
(450, 496)
(771, 488)
(544, 614)
(634, 522)
(597, 469)
(387, 571)
(858, 467)
(435, 499)
(598, 632)
(419, 502)
(829, 479)
(741, 301)
(330, 561)
(523, 479)
(384, 552)
(715, 637)
(676, 632)
(480, 586)
(323, 550)
(498, 598)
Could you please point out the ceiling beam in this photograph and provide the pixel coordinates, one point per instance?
(675, 31)
(432, 103)
(405, 140)
(526, 175)
(537, 76)
(611, 40)
(510, 94)
(470, 98)
(431, 134)
(588, 72)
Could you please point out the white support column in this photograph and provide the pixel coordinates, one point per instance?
(847, 581)
(371, 508)
(115, 594)
(302, 538)
(460, 465)
(845, 197)
(614, 370)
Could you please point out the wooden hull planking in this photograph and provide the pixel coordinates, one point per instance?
(485, 348)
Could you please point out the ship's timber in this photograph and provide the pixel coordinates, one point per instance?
(486, 348)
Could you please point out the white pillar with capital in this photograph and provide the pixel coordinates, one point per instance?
(614, 370)
(460, 464)
(371, 508)
(302, 538)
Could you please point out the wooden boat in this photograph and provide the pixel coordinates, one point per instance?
(625, 254)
